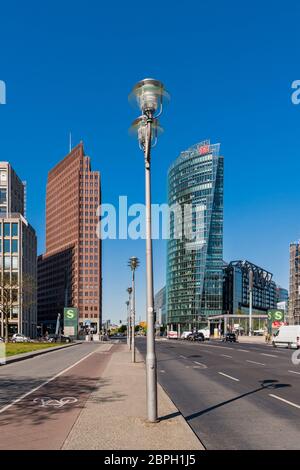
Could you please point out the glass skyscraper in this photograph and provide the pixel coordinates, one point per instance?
(195, 246)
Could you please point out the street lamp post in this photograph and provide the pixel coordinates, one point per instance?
(128, 321)
(129, 290)
(250, 300)
(133, 263)
(149, 95)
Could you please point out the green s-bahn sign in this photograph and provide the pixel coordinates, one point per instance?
(71, 321)
(275, 315)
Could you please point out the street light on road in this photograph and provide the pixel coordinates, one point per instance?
(128, 321)
(133, 263)
(129, 290)
(149, 95)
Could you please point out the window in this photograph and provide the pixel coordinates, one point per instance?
(7, 262)
(2, 196)
(15, 262)
(14, 230)
(6, 246)
(14, 279)
(6, 229)
(14, 246)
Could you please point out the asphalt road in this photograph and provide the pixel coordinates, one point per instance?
(234, 396)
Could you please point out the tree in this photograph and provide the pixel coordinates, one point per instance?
(122, 329)
(15, 294)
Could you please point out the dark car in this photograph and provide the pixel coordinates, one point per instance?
(230, 337)
(196, 337)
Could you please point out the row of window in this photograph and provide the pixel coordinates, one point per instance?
(9, 229)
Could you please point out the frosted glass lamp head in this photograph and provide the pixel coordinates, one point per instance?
(139, 128)
(149, 95)
(133, 263)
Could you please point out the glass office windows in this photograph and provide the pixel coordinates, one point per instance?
(14, 246)
(6, 246)
(6, 229)
(14, 230)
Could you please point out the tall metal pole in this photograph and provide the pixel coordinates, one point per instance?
(151, 373)
(133, 318)
(129, 290)
(250, 300)
(128, 323)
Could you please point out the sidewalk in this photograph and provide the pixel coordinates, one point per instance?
(114, 417)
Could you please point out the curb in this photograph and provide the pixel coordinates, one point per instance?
(30, 355)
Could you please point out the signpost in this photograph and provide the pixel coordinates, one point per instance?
(71, 322)
(275, 316)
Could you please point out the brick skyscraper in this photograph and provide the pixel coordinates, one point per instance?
(69, 273)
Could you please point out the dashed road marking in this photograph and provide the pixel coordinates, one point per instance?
(294, 372)
(254, 362)
(285, 401)
(183, 357)
(225, 355)
(269, 355)
(200, 364)
(229, 376)
(244, 350)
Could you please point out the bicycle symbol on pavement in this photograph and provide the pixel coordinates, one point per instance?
(46, 402)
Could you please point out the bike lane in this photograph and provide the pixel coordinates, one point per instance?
(43, 419)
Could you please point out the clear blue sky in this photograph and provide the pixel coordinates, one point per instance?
(69, 65)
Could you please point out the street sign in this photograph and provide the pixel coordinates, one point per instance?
(274, 316)
(71, 322)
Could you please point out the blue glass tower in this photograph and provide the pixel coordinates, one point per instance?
(195, 247)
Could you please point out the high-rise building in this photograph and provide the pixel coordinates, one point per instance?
(294, 300)
(282, 294)
(12, 191)
(160, 306)
(236, 289)
(69, 273)
(18, 252)
(194, 265)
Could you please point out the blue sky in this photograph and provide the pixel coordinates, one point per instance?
(229, 66)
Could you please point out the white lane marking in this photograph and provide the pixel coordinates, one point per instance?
(285, 401)
(183, 357)
(17, 400)
(294, 372)
(162, 371)
(244, 350)
(213, 346)
(200, 364)
(229, 376)
(254, 362)
(225, 355)
(269, 355)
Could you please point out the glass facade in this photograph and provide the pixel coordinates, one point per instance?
(195, 247)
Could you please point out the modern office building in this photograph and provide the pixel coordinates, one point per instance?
(236, 289)
(195, 247)
(282, 294)
(294, 300)
(160, 307)
(18, 252)
(69, 273)
(12, 191)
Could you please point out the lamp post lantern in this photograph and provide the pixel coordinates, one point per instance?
(149, 95)
(133, 263)
(129, 290)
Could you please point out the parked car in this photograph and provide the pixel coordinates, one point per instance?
(65, 339)
(229, 337)
(259, 332)
(18, 338)
(205, 332)
(196, 337)
(288, 336)
(185, 334)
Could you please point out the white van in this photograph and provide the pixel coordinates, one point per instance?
(205, 332)
(287, 337)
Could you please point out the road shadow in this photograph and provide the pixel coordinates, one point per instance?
(62, 395)
(267, 384)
